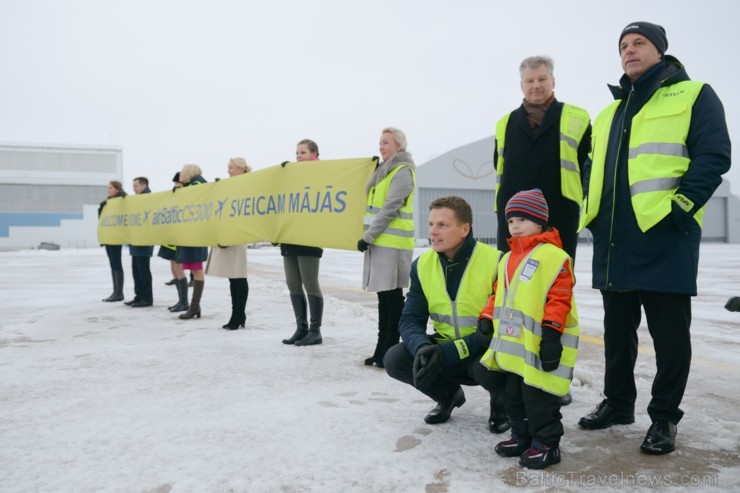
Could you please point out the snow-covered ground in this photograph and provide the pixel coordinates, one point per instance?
(102, 397)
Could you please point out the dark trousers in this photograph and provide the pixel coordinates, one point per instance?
(669, 319)
(142, 278)
(535, 414)
(114, 257)
(399, 364)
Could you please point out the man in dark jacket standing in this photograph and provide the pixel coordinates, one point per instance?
(450, 284)
(542, 144)
(658, 155)
(140, 261)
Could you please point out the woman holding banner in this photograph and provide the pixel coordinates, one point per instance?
(191, 258)
(115, 189)
(302, 272)
(231, 262)
(388, 240)
(167, 252)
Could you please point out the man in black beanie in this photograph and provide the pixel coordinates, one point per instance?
(659, 152)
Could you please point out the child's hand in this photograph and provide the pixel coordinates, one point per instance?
(550, 349)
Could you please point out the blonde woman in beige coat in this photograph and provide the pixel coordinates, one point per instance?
(231, 262)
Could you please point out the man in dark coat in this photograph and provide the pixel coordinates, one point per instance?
(658, 155)
(533, 150)
(140, 261)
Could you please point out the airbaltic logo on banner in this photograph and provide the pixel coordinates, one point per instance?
(308, 201)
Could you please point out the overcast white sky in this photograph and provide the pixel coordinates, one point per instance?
(175, 82)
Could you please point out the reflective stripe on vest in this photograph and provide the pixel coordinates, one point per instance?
(400, 231)
(519, 353)
(573, 124)
(657, 157)
(453, 320)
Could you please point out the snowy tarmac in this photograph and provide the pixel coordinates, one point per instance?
(100, 397)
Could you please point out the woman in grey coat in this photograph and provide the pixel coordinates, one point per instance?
(388, 240)
(231, 262)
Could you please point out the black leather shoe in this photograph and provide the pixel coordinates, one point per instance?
(129, 303)
(498, 423)
(442, 412)
(141, 303)
(605, 416)
(660, 438)
(733, 304)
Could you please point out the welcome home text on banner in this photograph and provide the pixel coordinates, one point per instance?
(313, 203)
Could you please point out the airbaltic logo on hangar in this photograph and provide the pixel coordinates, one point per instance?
(463, 168)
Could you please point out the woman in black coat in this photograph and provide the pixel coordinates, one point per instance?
(115, 189)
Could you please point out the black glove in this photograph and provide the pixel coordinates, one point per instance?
(282, 165)
(362, 245)
(427, 365)
(484, 333)
(681, 219)
(550, 349)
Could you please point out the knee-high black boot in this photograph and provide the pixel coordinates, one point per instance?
(239, 294)
(301, 318)
(182, 293)
(396, 302)
(383, 313)
(117, 286)
(316, 305)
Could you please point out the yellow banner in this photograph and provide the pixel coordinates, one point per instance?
(313, 203)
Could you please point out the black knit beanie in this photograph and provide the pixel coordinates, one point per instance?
(653, 32)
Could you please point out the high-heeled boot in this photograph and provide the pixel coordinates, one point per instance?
(182, 293)
(239, 295)
(194, 310)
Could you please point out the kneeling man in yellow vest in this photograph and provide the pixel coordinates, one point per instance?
(450, 284)
(534, 343)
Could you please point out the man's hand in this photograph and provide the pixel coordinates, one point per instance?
(484, 333)
(362, 245)
(427, 365)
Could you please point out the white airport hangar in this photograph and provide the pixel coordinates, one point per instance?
(50, 193)
(468, 172)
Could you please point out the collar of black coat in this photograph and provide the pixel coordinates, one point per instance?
(463, 253)
(667, 72)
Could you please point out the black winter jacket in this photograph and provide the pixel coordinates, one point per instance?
(666, 257)
(532, 160)
(415, 316)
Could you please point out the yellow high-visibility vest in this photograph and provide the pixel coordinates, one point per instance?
(453, 320)
(573, 124)
(657, 159)
(518, 312)
(400, 231)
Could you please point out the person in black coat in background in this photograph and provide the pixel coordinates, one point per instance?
(140, 261)
(115, 189)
